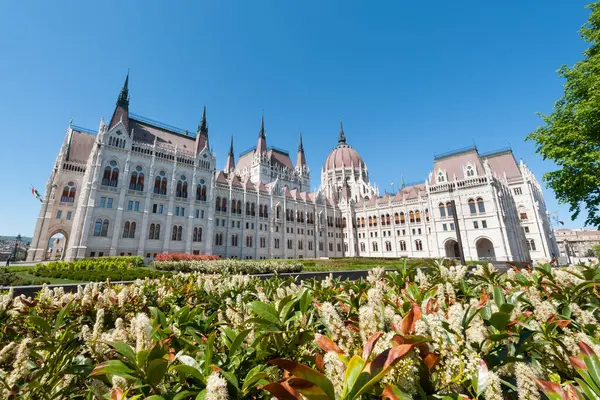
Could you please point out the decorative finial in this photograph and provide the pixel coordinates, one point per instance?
(342, 138)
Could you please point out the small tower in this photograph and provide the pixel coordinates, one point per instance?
(202, 133)
(261, 147)
(300, 159)
(230, 163)
(122, 107)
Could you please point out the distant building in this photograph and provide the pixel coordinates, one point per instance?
(139, 187)
(577, 243)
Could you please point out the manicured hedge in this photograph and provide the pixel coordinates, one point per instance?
(185, 257)
(229, 266)
(97, 269)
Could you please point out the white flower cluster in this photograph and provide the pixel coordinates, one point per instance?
(216, 387)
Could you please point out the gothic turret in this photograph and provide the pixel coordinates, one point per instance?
(122, 107)
(230, 163)
(202, 133)
(301, 159)
(261, 147)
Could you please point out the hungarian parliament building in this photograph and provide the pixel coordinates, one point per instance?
(139, 187)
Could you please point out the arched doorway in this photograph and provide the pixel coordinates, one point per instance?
(56, 246)
(485, 249)
(452, 250)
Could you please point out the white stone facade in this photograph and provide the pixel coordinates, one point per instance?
(138, 187)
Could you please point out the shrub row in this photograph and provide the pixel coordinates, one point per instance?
(102, 275)
(185, 257)
(9, 278)
(92, 264)
(229, 266)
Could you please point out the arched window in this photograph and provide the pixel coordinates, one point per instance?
(239, 207)
(184, 191)
(382, 220)
(174, 233)
(157, 232)
(218, 204)
(114, 177)
(265, 211)
(362, 222)
(402, 219)
(219, 239)
(472, 208)
(480, 205)
(157, 184)
(278, 212)
(160, 183)
(375, 246)
(154, 231)
(418, 245)
(68, 194)
(252, 210)
(126, 230)
(233, 209)
(449, 209)
(182, 188)
(151, 232)
(388, 246)
(163, 186)
(375, 220)
(418, 216)
(179, 232)
(427, 214)
(197, 235)
(132, 230)
(531, 245)
(442, 210)
(249, 241)
(344, 222)
(111, 175)
(140, 182)
(402, 245)
(133, 180)
(358, 222)
(362, 247)
(441, 177)
(470, 171)
(260, 210)
(224, 204)
(234, 240)
(98, 227)
(411, 216)
(247, 208)
(201, 191)
(387, 219)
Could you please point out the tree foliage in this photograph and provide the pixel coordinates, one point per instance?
(570, 135)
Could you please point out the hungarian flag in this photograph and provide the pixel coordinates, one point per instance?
(36, 194)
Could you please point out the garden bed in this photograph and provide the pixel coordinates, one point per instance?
(245, 267)
(434, 332)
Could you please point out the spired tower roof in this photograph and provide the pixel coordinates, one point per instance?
(343, 155)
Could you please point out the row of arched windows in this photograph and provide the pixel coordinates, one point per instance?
(399, 219)
(136, 181)
(221, 204)
(111, 175)
(181, 190)
(68, 194)
(197, 235)
(388, 246)
(176, 233)
(480, 206)
(154, 233)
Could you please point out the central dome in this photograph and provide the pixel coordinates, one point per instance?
(343, 155)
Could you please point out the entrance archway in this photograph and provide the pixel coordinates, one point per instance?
(56, 246)
(452, 250)
(485, 249)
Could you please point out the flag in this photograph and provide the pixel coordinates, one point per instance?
(561, 222)
(36, 194)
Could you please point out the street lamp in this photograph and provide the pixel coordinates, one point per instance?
(461, 253)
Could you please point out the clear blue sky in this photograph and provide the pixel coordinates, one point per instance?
(410, 78)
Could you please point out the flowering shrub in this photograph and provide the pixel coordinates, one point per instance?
(229, 266)
(185, 257)
(440, 333)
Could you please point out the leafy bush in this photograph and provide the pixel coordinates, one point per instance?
(229, 266)
(97, 269)
(185, 257)
(9, 278)
(435, 333)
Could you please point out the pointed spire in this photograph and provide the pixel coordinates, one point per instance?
(202, 133)
(123, 99)
(262, 134)
(230, 162)
(301, 159)
(342, 137)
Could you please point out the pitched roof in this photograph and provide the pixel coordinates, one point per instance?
(503, 162)
(145, 131)
(80, 145)
(453, 163)
(280, 158)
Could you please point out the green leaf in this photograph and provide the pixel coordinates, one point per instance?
(112, 367)
(265, 311)
(353, 370)
(252, 380)
(39, 322)
(507, 308)
(125, 350)
(61, 315)
(230, 378)
(499, 320)
(208, 353)
(237, 342)
(308, 389)
(498, 297)
(157, 369)
(187, 370)
(184, 395)
(141, 357)
(155, 397)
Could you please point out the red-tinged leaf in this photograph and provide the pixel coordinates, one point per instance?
(318, 306)
(344, 307)
(513, 323)
(396, 353)
(392, 392)
(585, 349)
(409, 321)
(431, 360)
(577, 363)
(483, 301)
(571, 393)
(319, 363)
(551, 388)
(368, 347)
(307, 389)
(527, 314)
(327, 344)
(116, 394)
(279, 391)
(563, 323)
(304, 372)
